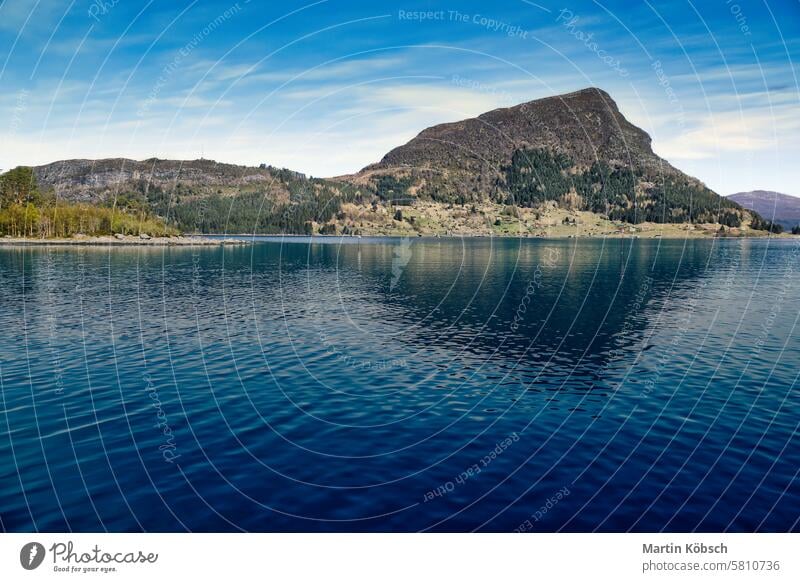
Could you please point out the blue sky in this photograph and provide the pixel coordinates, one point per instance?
(328, 87)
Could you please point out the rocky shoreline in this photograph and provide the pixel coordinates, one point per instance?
(670, 232)
(123, 240)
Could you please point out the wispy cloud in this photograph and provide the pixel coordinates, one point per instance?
(332, 72)
(34, 16)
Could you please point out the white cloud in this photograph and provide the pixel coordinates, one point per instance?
(734, 132)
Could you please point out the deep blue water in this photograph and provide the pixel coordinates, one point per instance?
(441, 385)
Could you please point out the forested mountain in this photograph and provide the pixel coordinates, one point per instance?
(576, 149)
(200, 195)
(574, 152)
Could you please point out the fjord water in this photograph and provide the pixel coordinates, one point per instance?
(401, 385)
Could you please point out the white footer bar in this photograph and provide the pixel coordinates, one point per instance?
(400, 557)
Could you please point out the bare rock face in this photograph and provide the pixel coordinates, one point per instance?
(95, 180)
(585, 125)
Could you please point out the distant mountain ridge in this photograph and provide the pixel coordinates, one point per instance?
(93, 180)
(781, 208)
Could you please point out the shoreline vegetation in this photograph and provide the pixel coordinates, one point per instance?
(28, 213)
(549, 219)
